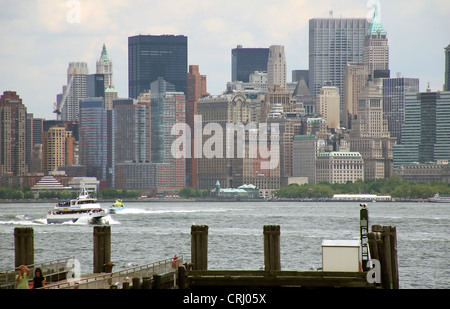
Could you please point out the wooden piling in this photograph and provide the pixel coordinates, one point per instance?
(102, 247)
(199, 247)
(24, 246)
(272, 257)
(383, 247)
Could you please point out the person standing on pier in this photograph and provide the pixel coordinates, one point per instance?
(22, 277)
(39, 279)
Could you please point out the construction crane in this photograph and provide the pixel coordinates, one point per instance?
(57, 109)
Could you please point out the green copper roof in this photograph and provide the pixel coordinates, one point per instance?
(104, 56)
(376, 25)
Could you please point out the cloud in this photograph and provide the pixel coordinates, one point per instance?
(38, 41)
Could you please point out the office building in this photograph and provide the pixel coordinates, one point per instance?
(131, 131)
(245, 61)
(68, 102)
(355, 77)
(334, 42)
(94, 138)
(447, 69)
(105, 66)
(158, 91)
(35, 128)
(154, 56)
(425, 136)
(13, 119)
(305, 149)
(58, 148)
(276, 67)
(196, 89)
(370, 136)
(95, 86)
(339, 167)
(328, 105)
(394, 95)
(376, 46)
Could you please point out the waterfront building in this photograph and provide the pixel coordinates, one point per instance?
(339, 167)
(153, 56)
(233, 108)
(245, 61)
(305, 150)
(13, 135)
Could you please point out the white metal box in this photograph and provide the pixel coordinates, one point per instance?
(341, 255)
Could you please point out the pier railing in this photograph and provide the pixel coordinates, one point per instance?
(106, 280)
(53, 270)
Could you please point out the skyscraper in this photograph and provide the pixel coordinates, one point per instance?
(447, 69)
(370, 135)
(394, 94)
(334, 42)
(153, 56)
(13, 119)
(57, 148)
(196, 88)
(105, 67)
(68, 103)
(158, 91)
(245, 61)
(93, 137)
(328, 105)
(425, 135)
(376, 46)
(355, 77)
(276, 67)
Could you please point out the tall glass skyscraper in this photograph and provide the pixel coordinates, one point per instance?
(334, 42)
(447, 69)
(425, 136)
(394, 94)
(153, 56)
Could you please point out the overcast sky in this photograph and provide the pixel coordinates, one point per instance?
(38, 38)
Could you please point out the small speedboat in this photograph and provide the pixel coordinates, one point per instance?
(116, 207)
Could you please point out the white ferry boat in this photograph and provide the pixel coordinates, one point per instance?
(362, 197)
(84, 207)
(445, 198)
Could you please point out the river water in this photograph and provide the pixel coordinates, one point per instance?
(146, 232)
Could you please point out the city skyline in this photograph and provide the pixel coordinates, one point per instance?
(53, 37)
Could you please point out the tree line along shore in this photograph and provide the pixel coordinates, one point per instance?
(393, 186)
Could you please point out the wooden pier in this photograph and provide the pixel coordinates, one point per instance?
(179, 274)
